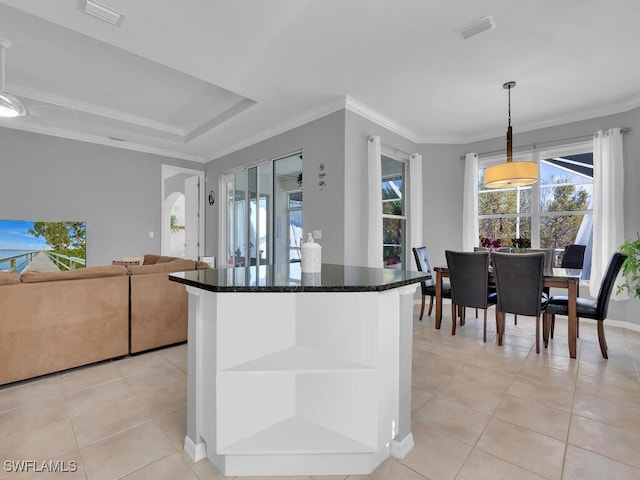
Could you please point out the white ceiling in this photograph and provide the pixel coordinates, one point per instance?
(197, 79)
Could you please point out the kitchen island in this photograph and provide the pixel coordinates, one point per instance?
(299, 374)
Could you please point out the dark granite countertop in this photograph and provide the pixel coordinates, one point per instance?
(288, 278)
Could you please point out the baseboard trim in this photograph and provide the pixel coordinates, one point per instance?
(196, 452)
(400, 449)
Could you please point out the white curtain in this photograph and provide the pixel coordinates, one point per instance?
(470, 231)
(374, 168)
(415, 206)
(608, 206)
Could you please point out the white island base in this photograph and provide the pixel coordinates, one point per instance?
(299, 383)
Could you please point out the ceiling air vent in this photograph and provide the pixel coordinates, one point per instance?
(477, 26)
(103, 12)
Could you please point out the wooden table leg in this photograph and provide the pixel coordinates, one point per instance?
(500, 325)
(573, 318)
(439, 299)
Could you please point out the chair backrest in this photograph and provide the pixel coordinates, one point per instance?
(573, 256)
(606, 287)
(421, 254)
(548, 257)
(468, 275)
(501, 249)
(519, 278)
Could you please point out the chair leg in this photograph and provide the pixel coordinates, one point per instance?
(454, 318)
(430, 306)
(553, 324)
(515, 319)
(500, 325)
(484, 334)
(538, 334)
(422, 307)
(463, 316)
(546, 321)
(602, 339)
(578, 327)
(476, 313)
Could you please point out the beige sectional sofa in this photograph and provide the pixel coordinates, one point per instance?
(159, 307)
(53, 321)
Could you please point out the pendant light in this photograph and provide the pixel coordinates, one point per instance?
(10, 106)
(510, 174)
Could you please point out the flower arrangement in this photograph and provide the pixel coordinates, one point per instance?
(490, 243)
(520, 244)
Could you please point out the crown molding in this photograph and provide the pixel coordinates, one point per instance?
(370, 114)
(100, 140)
(580, 116)
(322, 111)
(92, 109)
(343, 102)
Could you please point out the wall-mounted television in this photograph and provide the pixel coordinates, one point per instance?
(27, 245)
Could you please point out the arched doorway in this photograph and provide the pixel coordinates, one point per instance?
(175, 209)
(182, 212)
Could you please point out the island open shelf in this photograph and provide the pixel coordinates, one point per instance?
(295, 382)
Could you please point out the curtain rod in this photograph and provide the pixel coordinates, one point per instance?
(533, 146)
(390, 148)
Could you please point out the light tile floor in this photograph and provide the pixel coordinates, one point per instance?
(479, 411)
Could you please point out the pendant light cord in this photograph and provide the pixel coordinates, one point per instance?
(508, 86)
(2, 49)
(509, 96)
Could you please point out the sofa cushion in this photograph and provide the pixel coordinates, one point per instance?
(9, 278)
(80, 273)
(152, 259)
(167, 267)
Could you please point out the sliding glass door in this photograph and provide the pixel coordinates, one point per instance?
(287, 185)
(248, 216)
(254, 196)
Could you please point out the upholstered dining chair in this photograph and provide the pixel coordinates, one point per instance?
(548, 267)
(519, 278)
(492, 287)
(423, 262)
(468, 274)
(573, 256)
(586, 308)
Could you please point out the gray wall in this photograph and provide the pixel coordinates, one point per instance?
(321, 142)
(116, 191)
(339, 141)
(340, 211)
(443, 174)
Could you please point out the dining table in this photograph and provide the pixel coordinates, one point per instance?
(565, 278)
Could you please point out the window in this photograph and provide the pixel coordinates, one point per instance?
(552, 213)
(394, 219)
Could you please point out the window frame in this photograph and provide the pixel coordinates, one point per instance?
(535, 155)
(405, 209)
